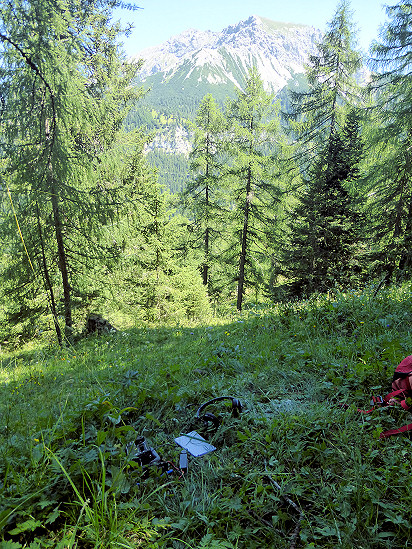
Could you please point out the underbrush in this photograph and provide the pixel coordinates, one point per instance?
(295, 469)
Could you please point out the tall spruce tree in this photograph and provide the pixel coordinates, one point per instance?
(324, 247)
(65, 90)
(323, 227)
(203, 194)
(390, 174)
(253, 143)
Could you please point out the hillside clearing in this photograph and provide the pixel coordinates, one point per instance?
(293, 470)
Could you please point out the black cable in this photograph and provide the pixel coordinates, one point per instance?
(236, 405)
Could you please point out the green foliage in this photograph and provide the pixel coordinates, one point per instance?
(204, 196)
(294, 467)
(316, 111)
(177, 296)
(253, 147)
(324, 248)
(87, 225)
(66, 91)
(172, 169)
(325, 245)
(389, 181)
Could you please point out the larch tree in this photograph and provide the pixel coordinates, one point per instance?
(202, 197)
(390, 175)
(65, 89)
(252, 145)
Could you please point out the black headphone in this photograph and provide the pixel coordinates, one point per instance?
(211, 418)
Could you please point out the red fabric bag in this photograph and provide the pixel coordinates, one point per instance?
(402, 390)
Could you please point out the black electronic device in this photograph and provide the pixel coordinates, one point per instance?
(142, 453)
(212, 422)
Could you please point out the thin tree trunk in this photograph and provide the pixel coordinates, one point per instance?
(58, 231)
(205, 270)
(47, 281)
(405, 256)
(63, 267)
(242, 260)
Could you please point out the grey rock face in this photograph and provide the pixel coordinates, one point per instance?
(278, 50)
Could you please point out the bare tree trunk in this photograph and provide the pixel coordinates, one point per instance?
(63, 267)
(242, 260)
(205, 270)
(405, 256)
(47, 282)
(58, 228)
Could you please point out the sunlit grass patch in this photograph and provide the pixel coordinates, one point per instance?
(68, 414)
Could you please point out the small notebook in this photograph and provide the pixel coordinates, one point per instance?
(194, 444)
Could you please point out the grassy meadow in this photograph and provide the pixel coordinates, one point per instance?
(294, 470)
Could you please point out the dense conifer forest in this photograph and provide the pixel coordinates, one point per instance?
(280, 199)
(273, 260)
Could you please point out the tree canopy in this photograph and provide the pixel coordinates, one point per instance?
(312, 199)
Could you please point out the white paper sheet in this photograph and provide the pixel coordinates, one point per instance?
(194, 444)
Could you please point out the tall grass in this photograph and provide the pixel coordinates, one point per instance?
(296, 469)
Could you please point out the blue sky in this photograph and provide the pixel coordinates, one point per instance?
(161, 19)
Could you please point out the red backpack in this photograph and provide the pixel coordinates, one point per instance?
(402, 390)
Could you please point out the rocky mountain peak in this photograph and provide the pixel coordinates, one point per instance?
(278, 50)
(186, 42)
(252, 23)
